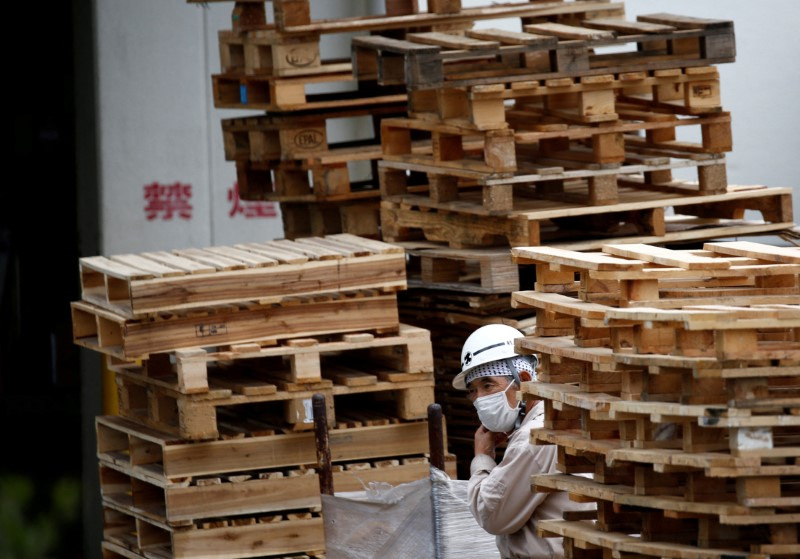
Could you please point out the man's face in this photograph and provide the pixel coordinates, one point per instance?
(483, 386)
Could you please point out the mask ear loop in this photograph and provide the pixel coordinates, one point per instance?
(521, 409)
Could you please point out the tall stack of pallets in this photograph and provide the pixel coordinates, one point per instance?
(316, 148)
(217, 354)
(673, 377)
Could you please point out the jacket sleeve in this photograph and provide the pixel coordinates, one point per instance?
(500, 495)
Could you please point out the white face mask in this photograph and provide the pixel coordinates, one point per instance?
(495, 413)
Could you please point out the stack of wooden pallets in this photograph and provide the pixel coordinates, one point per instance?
(672, 376)
(563, 133)
(217, 353)
(316, 148)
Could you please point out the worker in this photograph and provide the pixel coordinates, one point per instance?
(500, 495)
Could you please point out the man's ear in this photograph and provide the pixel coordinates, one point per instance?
(524, 376)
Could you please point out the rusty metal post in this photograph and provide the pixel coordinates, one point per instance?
(435, 436)
(323, 445)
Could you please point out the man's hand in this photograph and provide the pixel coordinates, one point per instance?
(486, 441)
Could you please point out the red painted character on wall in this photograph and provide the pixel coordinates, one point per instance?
(249, 209)
(167, 200)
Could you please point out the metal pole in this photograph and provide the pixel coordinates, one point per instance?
(435, 436)
(323, 446)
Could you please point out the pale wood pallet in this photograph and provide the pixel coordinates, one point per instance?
(166, 458)
(543, 50)
(249, 493)
(227, 413)
(128, 339)
(135, 285)
(235, 538)
(638, 217)
(292, 363)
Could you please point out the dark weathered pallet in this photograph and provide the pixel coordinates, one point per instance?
(256, 368)
(639, 216)
(544, 50)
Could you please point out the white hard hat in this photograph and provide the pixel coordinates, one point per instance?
(486, 344)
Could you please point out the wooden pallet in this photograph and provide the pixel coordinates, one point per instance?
(554, 164)
(270, 93)
(576, 100)
(640, 216)
(166, 458)
(586, 535)
(641, 275)
(250, 493)
(544, 50)
(128, 339)
(290, 362)
(235, 538)
(134, 285)
(227, 412)
(360, 217)
(284, 137)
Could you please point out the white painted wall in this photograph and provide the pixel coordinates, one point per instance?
(157, 122)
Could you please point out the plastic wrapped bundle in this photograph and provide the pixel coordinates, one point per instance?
(425, 518)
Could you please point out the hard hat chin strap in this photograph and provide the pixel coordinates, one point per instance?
(522, 408)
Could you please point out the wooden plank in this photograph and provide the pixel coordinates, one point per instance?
(569, 31)
(141, 262)
(626, 27)
(113, 268)
(179, 262)
(788, 255)
(511, 37)
(666, 257)
(685, 22)
(280, 255)
(579, 260)
(555, 302)
(247, 257)
(451, 41)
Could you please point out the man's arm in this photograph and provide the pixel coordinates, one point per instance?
(501, 499)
